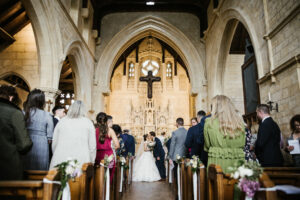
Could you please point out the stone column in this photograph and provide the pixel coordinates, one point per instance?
(201, 101)
(50, 94)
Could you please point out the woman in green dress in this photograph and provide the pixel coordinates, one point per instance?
(224, 134)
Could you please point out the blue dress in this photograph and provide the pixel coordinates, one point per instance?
(40, 129)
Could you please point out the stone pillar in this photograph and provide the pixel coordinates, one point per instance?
(201, 101)
(50, 94)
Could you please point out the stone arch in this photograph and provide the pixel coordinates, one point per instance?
(227, 22)
(6, 74)
(160, 29)
(82, 86)
(48, 44)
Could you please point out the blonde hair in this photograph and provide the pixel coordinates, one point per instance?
(77, 110)
(231, 122)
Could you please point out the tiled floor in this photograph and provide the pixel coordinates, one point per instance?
(149, 191)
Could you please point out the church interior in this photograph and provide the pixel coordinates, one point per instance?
(147, 63)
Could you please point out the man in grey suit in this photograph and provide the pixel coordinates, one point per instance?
(177, 146)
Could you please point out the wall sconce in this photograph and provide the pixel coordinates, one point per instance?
(272, 105)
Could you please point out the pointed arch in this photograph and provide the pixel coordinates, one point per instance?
(160, 29)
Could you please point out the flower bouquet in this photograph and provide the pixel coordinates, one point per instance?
(109, 161)
(248, 175)
(68, 170)
(151, 145)
(194, 163)
(178, 159)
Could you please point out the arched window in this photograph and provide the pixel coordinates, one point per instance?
(169, 70)
(131, 70)
(150, 65)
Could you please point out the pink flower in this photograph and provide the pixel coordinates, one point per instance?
(249, 187)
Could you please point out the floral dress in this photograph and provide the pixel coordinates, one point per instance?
(248, 154)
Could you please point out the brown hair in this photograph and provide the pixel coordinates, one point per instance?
(102, 125)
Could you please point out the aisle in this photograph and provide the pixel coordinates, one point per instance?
(149, 191)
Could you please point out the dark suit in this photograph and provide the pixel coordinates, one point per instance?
(194, 140)
(55, 121)
(129, 143)
(267, 146)
(158, 151)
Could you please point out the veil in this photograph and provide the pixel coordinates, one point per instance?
(141, 149)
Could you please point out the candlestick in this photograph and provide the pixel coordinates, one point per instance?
(269, 96)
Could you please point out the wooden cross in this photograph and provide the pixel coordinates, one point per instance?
(49, 102)
(149, 79)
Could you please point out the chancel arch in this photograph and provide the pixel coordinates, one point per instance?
(163, 31)
(171, 94)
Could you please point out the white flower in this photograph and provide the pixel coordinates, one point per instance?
(72, 163)
(122, 160)
(110, 158)
(69, 170)
(194, 165)
(178, 157)
(245, 171)
(235, 175)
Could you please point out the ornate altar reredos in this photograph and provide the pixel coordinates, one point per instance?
(143, 101)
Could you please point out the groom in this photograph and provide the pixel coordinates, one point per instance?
(159, 155)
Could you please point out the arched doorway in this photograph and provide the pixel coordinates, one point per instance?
(19, 83)
(171, 93)
(238, 72)
(66, 85)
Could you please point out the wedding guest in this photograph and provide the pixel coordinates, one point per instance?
(58, 114)
(247, 148)
(74, 137)
(159, 155)
(105, 137)
(40, 128)
(109, 121)
(267, 146)
(129, 142)
(194, 139)
(194, 121)
(14, 138)
(118, 131)
(162, 138)
(177, 143)
(224, 134)
(295, 135)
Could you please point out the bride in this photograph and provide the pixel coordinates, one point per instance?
(144, 167)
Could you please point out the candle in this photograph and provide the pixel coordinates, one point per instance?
(269, 96)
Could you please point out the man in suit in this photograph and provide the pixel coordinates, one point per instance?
(58, 113)
(193, 140)
(159, 155)
(177, 146)
(267, 146)
(129, 143)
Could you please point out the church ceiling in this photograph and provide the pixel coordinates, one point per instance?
(13, 18)
(196, 7)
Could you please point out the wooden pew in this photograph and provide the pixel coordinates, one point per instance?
(202, 183)
(34, 174)
(32, 189)
(284, 175)
(115, 191)
(100, 186)
(83, 187)
(221, 186)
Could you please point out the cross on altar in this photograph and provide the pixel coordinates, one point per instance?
(149, 79)
(49, 102)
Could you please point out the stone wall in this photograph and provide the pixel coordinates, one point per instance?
(233, 81)
(21, 57)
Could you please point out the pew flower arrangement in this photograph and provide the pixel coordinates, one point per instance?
(194, 163)
(130, 156)
(178, 159)
(109, 161)
(248, 175)
(123, 162)
(69, 170)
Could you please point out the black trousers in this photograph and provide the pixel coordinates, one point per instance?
(161, 167)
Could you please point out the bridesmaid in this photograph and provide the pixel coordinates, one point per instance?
(40, 128)
(104, 137)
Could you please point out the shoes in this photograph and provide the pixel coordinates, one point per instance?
(163, 179)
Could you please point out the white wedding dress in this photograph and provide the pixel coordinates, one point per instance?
(144, 167)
